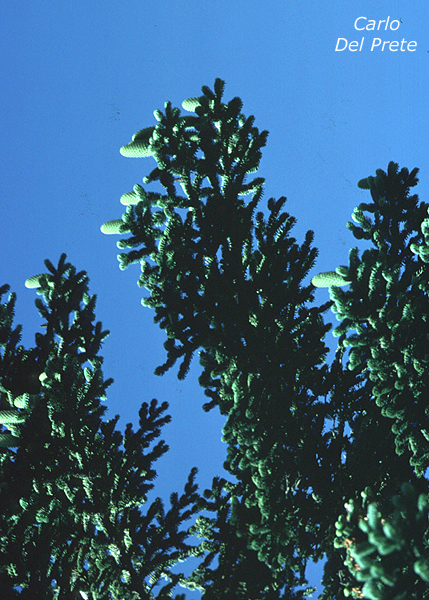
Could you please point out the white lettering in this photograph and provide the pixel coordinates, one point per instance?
(372, 25)
(393, 46)
(359, 28)
(340, 49)
(353, 46)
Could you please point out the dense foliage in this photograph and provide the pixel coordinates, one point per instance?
(324, 460)
(72, 493)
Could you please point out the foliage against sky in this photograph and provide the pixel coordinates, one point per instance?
(304, 438)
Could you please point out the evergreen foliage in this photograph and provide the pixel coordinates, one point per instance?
(324, 460)
(228, 282)
(387, 305)
(389, 556)
(72, 493)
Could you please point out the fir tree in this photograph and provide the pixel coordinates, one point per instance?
(72, 493)
(323, 460)
(228, 282)
(383, 314)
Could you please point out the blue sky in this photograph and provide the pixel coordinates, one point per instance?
(80, 77)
